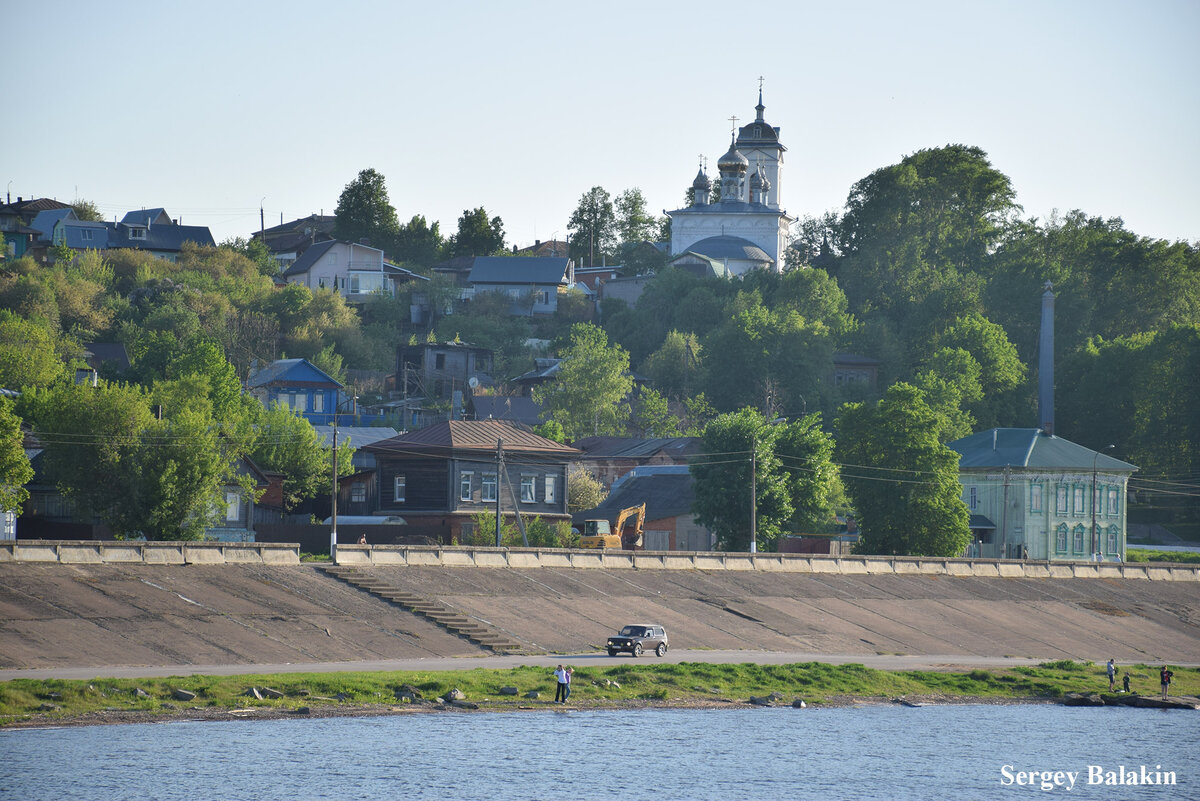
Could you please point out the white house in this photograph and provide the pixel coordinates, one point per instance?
(355, 271)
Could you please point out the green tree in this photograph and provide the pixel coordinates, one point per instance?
(418, 242)
(286, 443)
(722, 481)
(87, 211)
(652, 415)
(584, 491)
(477, 234)
(1000, 370)
(15, 471)
(805, 453)
(144, 477)
(950, 380)
(588, 397)
(676, 366)
(551, 430)
(902, 480)
(593, 226)
(364, 212)
(29, 354)
(634, 223)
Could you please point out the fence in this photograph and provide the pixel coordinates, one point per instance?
(149, 553)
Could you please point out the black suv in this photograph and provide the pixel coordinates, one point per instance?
(636, 639)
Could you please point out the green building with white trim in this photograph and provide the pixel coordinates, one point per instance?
(1033, 495)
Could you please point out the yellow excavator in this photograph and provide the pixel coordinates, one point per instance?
(626, 533)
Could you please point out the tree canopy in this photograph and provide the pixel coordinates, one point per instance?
(364, 212)
(593, 225)
(588, 396)
(477, 234)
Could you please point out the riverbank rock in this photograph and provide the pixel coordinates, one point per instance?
(456, 695)
(183, 695)
(761, 700)
(253, 692)
(138, 692)
(799, 704)
(1172, 702)
(1082, 699)
(509, 691)
(407, 692)
(270, 693)
(533, 694)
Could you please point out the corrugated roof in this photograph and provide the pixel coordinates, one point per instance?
(1030, 448)
(665, 495)
(473, 435)
(518, 409)
(279, 369)
(306, 261)
(518, 270)
(637, 447)
(357, 436)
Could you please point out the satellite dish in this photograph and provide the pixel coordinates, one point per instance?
(472, 382)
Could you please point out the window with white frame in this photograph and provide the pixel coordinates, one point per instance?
(399, 489)
(973, 498)
(86, 233)
(1078, 539)
(1060, 499)
(464, 485)
(1077, 501)
(233, 507)
(1035, 497)
(1112, 539)
(528, 489)
(299, 402)
(487, 487)
(1060, 539)
(551, 489)
(1114, 498)
(318, 401)
(358, 492)
(137, 233)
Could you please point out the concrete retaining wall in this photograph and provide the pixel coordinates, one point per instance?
(149, 553)
(425, 555)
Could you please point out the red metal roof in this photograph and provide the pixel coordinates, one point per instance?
(472, 435)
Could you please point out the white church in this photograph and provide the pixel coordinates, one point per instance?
(745, 229)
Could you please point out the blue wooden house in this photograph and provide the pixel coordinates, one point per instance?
(301, 386)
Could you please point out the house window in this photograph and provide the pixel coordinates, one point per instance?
(551, 489)
(1112, 539)
(464, 486)
(1060, 500)
(86, 234)
(973, 498)
(233, 507)
(398, 489)
(1078, 539)
(299, 402)
(1077, 501)
(1035, 497)
(1060, 539)
(137, 233)
(543, 297)
(439, 361)
(1113, 500)
(318, 402)
(488, 487)
(528, 489)
(358, 492)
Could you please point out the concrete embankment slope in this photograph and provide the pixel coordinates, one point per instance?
(71, 615)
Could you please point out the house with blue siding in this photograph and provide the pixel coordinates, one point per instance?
(1037, 496)
(301, 386)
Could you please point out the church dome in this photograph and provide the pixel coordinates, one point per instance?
(733, 160)
(701, 182)
(730, 247)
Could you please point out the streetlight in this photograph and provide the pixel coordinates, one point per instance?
(1095, 536)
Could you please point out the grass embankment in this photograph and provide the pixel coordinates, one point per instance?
(1135, 554)
(52, 701)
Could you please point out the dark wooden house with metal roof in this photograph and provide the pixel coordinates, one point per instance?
(439, 477)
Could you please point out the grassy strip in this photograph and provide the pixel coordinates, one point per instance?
(52, 700)
(1134, 554)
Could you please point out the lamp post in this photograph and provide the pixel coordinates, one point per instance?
(1095, 536)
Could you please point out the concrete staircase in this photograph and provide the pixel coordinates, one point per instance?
(475, 630)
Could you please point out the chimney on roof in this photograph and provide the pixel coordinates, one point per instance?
(1046, 363)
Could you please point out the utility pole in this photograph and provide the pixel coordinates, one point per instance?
(499, 473)
(1004, 519)
(334, 496)
(753, 495)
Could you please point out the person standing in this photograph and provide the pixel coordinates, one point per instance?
(560, 692)
(1125, 680)
(1165, 676)
(1112, 676)
(570, 674)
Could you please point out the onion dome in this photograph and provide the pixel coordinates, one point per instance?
(701, 182)
(732, 161)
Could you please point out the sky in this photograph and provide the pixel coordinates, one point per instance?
(216, 109)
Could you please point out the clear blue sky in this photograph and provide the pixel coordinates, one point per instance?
(208, 108)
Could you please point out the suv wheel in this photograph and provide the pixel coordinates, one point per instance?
(637, 649)
(612, 651)
(661, 649)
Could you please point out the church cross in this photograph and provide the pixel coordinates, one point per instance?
(760, 83)
(733, 126)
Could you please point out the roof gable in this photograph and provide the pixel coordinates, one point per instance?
(518, 270)
(285, 371)
(1030, 448)
(473, 435)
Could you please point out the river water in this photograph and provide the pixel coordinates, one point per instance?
(872, 752)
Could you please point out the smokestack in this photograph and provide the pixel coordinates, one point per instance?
(1046, 363)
